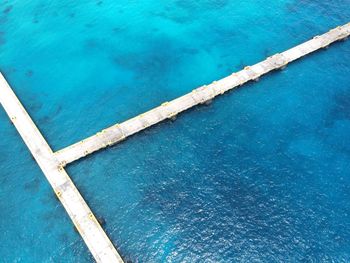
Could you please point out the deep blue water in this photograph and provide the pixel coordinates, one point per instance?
(261, 175)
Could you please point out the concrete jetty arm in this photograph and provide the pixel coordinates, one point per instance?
(52, 164)
(84, 220)
(205, 94)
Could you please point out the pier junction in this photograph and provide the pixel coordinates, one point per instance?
(53, 163)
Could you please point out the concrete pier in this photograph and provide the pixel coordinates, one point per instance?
(84, 220)
(202, 95)
(52, 164)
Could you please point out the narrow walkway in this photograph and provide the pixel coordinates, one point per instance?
(52, 163)
(95, 238)
(205, 94)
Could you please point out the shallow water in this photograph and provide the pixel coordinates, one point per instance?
(261, 175)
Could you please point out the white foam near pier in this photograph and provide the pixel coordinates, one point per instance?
(52, 164)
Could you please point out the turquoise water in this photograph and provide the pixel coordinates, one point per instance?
(261, 175)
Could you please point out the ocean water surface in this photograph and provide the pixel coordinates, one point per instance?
(261, 175)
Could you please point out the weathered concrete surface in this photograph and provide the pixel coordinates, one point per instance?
(52, 163)
(201, 95)
(95, 238)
